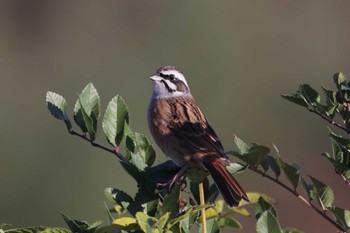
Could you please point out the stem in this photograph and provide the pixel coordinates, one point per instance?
(119, 156)
(330, 121)
(300, 197)
(202, 202)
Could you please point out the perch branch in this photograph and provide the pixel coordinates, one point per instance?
(330, 121)
(95, 144)
(300, 197)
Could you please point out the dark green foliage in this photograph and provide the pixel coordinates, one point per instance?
(337, 103)
(153, 209)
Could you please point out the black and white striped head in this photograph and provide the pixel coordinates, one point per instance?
(168, 82)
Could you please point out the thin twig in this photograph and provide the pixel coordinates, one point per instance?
(202, 203)
(300, 197)
(95, 144)
(330, 121)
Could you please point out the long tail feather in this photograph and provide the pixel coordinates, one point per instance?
(229, 188)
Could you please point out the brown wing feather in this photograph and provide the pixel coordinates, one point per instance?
(194, 127)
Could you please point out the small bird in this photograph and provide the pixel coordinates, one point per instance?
(183, 133)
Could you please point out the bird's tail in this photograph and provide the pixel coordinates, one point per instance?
(229, 188)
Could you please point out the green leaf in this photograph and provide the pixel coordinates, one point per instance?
(57, 106)
(130, 143)
(196, 174)
(118, 228)
(118, 196)
(242, 146)
(212, 226)
(292, 173)
(80, 226)
(109, 214)
(308, 188)
(36, 229)
(117, 114)
(273, 165)
(235, 168)
(133, 171)
(90, 100)
(254, 198)
(291, 230)
(146, 150)
(254, 155)
(342, 217)
(262, 205)
(87, 110)
(324, 194)
(170, 203)
(147, 223)
(267, 223)
(124, 221)
(138, 161)
(187, 213)
(339, 80)
(331, 96)
(295, 98)
(54, 230)
(229, 222)
(163, 220)
(343, 142)
(309, 94)
(342, 169)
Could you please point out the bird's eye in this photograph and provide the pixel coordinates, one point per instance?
(172, 77)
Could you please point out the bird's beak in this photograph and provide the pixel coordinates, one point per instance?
(156, 78)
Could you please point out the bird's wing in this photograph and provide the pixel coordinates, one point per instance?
(194, 130)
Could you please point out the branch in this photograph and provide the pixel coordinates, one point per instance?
(330, 121)
(83, 136)
(300, 197)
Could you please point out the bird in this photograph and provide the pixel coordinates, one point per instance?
(184, 134)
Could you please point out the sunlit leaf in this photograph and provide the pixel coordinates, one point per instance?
(124, 221)
(267, 223)
(324, 194)
(235, 168)
(87, 110)
(146, 222)
(163, 220)
(116, 116)
(340, 80)
(57, 105)
(229, 222)
(254, 198)
(242, 146)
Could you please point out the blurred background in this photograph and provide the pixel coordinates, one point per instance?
(238, 57)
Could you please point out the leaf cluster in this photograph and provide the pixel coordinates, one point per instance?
(151, 209)
(335, 109)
